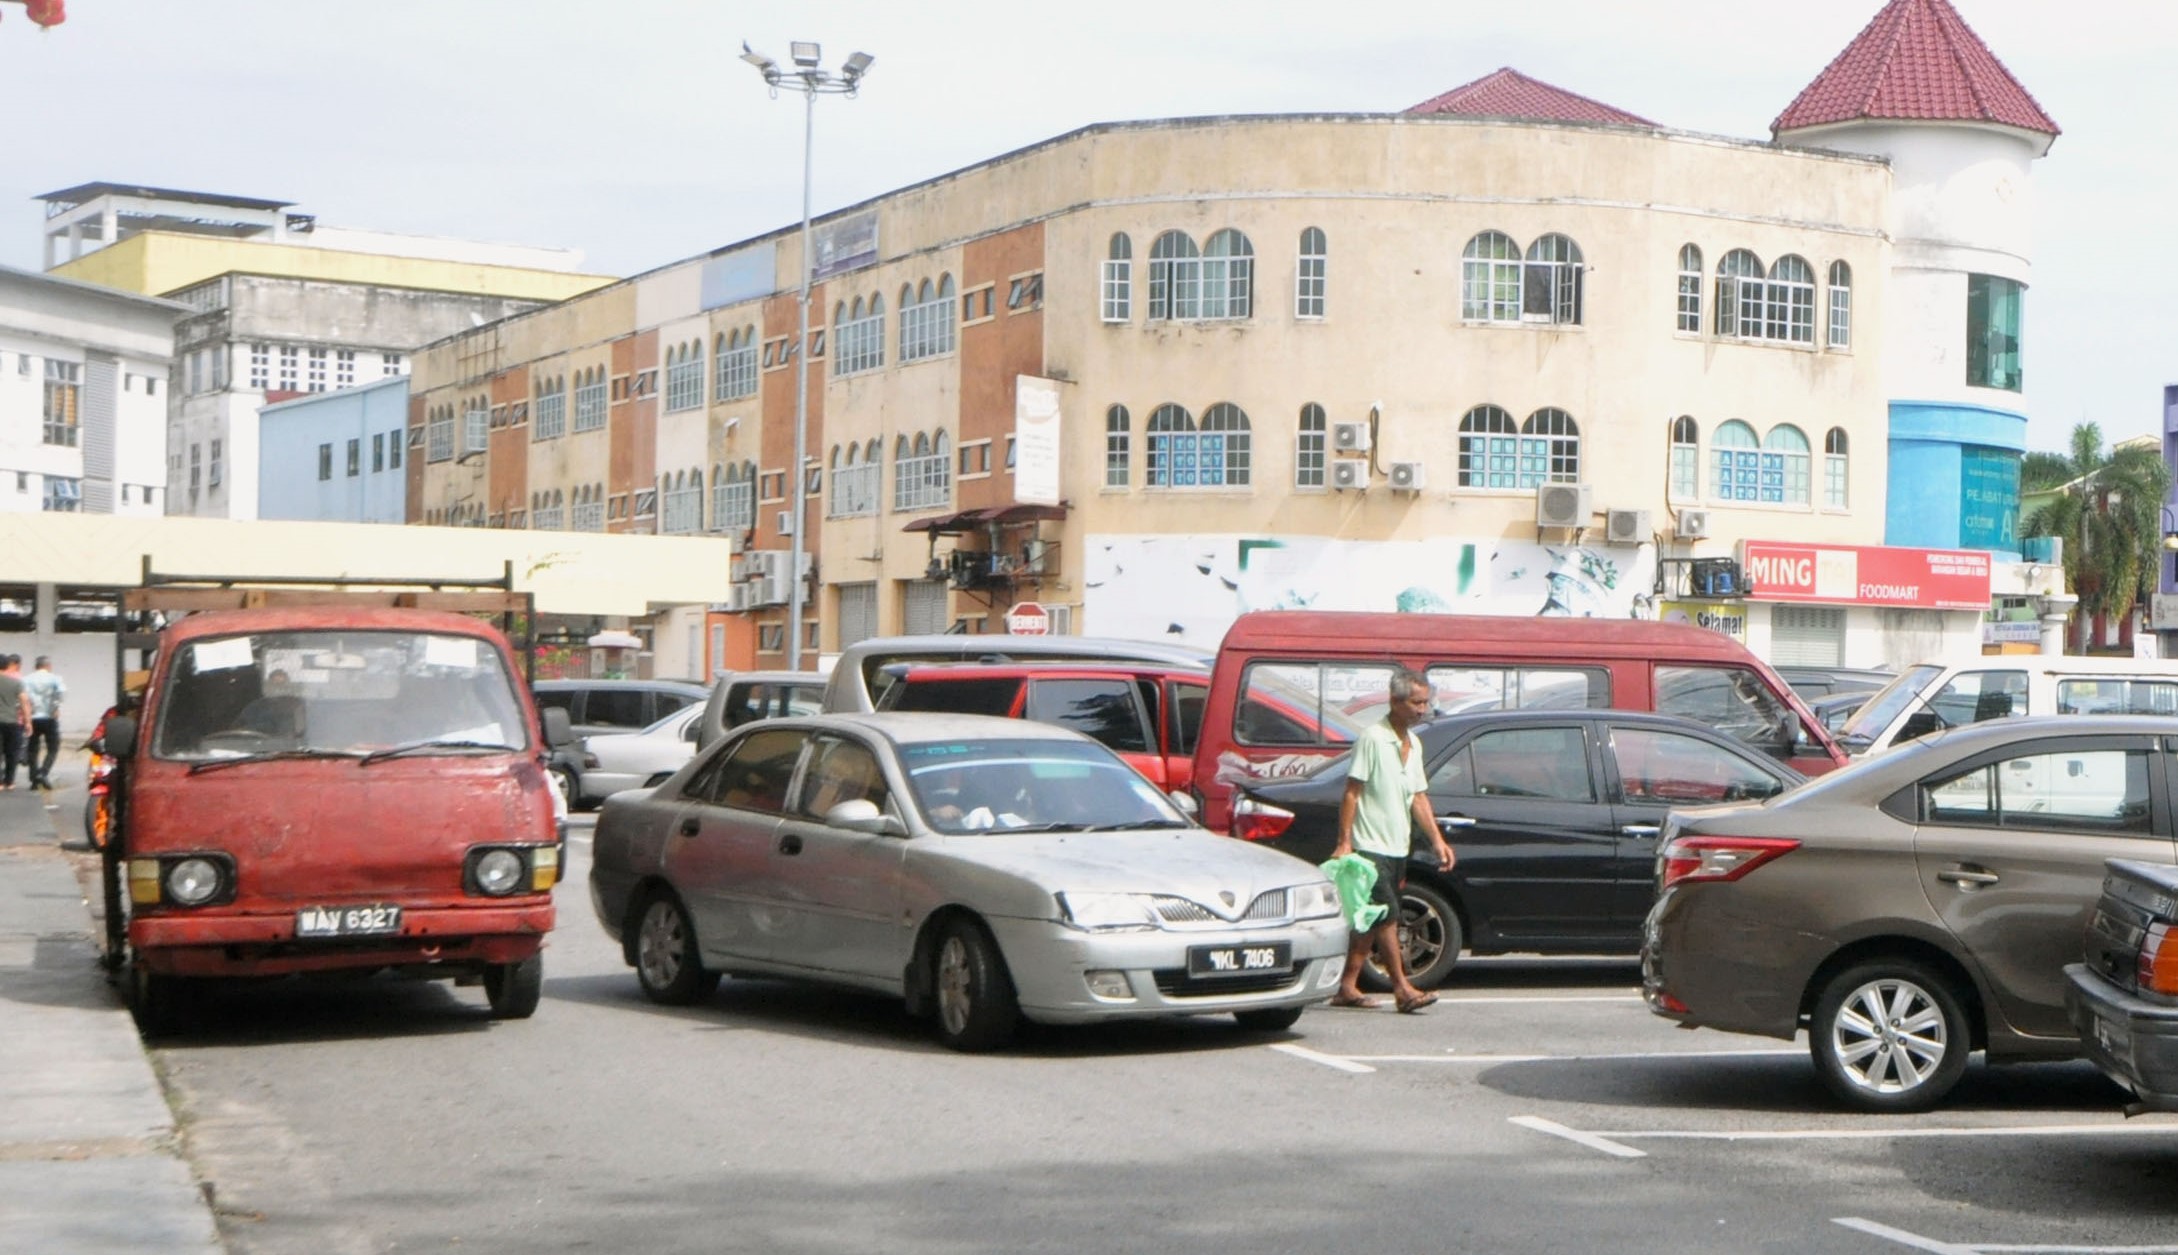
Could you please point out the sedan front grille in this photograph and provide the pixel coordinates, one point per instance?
(1174, 982)
(1172, 910)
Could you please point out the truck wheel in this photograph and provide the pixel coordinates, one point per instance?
(157, 999)
(515, 988)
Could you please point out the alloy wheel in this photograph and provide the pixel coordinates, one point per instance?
(955, 1002)
(1889, 1036)
(662, 946)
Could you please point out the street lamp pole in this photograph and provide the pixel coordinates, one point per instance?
(809, 77)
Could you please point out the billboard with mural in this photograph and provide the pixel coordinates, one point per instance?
(1191, 588)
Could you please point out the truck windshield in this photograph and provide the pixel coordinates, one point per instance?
(334, 691)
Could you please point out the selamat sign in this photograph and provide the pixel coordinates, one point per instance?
(1028, 618)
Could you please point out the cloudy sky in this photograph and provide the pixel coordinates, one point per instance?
(629, 130)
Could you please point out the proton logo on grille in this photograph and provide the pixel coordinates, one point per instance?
(1229, 898)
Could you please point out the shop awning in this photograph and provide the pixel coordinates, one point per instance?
(975, 520)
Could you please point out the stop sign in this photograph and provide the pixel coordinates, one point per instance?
(1028, 618)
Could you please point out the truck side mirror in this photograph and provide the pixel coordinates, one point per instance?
(559, 730)
(120, 736)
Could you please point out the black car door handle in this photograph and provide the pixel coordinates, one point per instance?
(790, 844)
(690, 826)
(1453, 823)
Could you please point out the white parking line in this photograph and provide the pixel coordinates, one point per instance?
(1451, 1056)
(1590, 1140)
(1612, 1141)
(1329, 1061)
(1444, 1000)
(1919, 1243)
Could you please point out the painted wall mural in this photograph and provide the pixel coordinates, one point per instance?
(1191, 588)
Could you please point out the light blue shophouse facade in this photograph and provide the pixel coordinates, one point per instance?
(336, 457)
(1954, 477)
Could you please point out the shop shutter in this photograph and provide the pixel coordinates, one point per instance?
(1807, 636)
(927, 612)
(857, 613)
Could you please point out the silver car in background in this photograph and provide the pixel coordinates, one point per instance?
(983, 869)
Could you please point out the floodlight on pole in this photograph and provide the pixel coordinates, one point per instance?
(809, 78)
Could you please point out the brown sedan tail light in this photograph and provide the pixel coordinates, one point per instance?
(1690, 859)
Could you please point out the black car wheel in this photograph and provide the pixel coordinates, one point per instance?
(1890, 1036)
(1269, 1019)
(667, 963)
(514, 989)
(973, 995)
(1430, 939)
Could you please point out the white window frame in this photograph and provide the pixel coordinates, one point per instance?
(439, 435)
(1836, 469)
(927, 320)
(1789, 295)
(857, 482)
(1228, 276)
(1116, 280)
(1490, 279)
(1690, 290)
(1175, 278)
(550, 422)
(1118, 447)
(858, 336)
(1686, 459)
(475, 428)
(683, 512)
(924, 477)
(1311, 448)
(590, 403)
(684, 377)
(1310, 273)
(1840, 322)
(737, 371)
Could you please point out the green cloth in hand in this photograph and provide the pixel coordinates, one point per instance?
(1355, 877)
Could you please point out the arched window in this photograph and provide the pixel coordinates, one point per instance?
(1834, 468)
(1788, 446)
(1118, 447)
(1308, 447)
(1228, 275)
(1309, 275)
(1552, 441)
(922, 472)
(1489, 449)
(1841, 305)
(1690, 290)
(1737, 457)
(1791, 301)
(1171, 438)
(1223, 455)
(946, 317)
(1117, 281)
(1740, 295)
(1553, 282)
(684, 377)
(735, 377)
(926, 319)
(1490, 279)
(858, 343)
(1175, 278)
(1686, 464)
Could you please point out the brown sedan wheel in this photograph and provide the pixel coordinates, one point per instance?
(1890, 1035)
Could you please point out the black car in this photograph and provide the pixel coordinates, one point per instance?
(1813, 682)
(1554, 816)
(2123, 1000)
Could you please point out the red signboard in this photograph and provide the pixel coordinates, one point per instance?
(1857, 575)
(1028, 618)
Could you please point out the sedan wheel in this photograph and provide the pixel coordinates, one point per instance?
(1890, 1036)
(975, 1003)
(667, 963)
(1430, 939)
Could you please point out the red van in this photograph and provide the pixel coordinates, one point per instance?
(335, 786)
(1146, 713)
(1292, 687)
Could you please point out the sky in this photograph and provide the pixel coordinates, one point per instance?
(630, 130)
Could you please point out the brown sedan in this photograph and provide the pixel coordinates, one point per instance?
(1914, 906)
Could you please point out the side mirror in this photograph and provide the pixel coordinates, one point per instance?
(1919, 723)
(863, 815)
(559, 730)
(1185, 801)
(693, 733)
(120, 736)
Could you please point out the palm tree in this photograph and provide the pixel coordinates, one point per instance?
(2110, 515)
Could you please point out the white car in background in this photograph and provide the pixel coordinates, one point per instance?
(635, 760)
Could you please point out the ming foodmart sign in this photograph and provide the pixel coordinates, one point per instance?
(1867, 575)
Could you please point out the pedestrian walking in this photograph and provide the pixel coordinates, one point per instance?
(14, 718)
(1386, 797)
(45, 690)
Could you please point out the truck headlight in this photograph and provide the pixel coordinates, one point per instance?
(192, 881)
(497, 872)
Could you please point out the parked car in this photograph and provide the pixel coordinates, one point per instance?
(1553, 815)
(636, 760)
(1838, 709)
(1147, 713)
(1813, 682)
(858, 678)
(740, 697)
(597, 707)
(985, 870)
(2123, 999)
(1291, 687)
(1913, 906)
(1934, 695)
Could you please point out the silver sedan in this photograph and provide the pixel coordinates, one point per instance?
(983, 869)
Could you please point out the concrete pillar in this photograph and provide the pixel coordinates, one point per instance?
(49, 241)
(2056, 611)
(75, 240)
(109, 226)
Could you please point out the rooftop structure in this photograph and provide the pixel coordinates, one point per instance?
(1916, 61)
(1507, 93)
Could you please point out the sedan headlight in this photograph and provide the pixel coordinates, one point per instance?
(1103, 912)
(1316, 901)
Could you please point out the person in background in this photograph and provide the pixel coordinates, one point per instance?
(45, 691)
(14, 717)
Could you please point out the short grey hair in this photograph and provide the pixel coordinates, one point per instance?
(1405, 683)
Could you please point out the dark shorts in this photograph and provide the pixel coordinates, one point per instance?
(1391, 873)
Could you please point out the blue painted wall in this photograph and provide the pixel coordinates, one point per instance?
(1948, 477)
(288, 436)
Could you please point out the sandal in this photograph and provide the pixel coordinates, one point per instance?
(1363, 1001)
(1408, 1006)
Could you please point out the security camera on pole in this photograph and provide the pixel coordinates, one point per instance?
(809, 78)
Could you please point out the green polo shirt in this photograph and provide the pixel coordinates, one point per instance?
(1383, 818)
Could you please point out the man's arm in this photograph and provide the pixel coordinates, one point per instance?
(1349, 802)
(1426, 816)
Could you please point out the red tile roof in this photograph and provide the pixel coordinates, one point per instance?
(1916, 61)
(1510, 94)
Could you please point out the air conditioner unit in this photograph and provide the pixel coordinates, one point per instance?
(1408, 477)
(736, 541)
(1350, 437)
(740, 597)
(1563, 505)
(1716, 577)
(1693, 525)
(1627, 527)
(937, 569)
(1350, 473)
(786, 522)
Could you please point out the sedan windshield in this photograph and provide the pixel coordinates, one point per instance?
(336, 692)
(1030, 785)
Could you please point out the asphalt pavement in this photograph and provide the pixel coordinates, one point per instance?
(90, 1157)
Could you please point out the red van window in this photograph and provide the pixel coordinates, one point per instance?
(1306, 703)
(1457, 690)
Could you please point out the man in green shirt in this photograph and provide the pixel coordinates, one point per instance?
(1386, 794)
